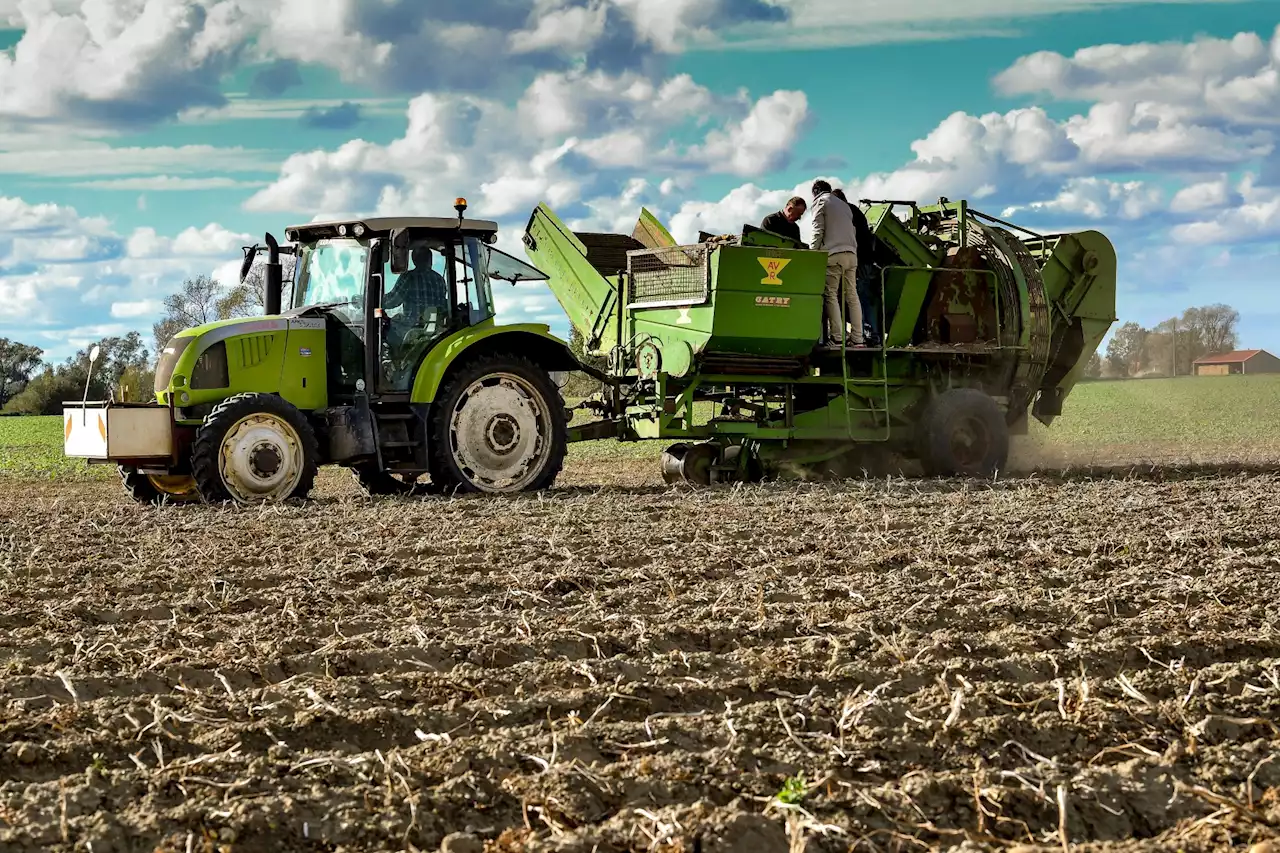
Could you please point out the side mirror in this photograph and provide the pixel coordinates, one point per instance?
(400, 251)
(250, 253)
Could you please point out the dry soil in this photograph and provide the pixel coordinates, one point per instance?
(1090, 660)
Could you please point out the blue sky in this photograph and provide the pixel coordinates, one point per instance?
(144, 141)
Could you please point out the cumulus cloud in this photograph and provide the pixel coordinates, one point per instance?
(747, 203)
(342, 117)
(129, 62)
(210, 241)
(120, 62)
(1207, 195)
(392, 44)
(140, 308)
(1256, 218)
(59, 269)
(619, 126)
(1236, 78)
(1097, 199)
(275, 79)
(570, 28)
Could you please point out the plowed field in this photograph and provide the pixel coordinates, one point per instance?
(1083, 661)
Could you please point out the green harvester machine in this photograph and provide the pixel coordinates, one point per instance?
(715, 346)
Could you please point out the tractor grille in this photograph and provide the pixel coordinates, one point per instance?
(673, 275)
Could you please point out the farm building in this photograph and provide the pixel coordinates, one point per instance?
(1231, 363)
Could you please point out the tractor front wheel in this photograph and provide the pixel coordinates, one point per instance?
(498, 427)
(254, 448)
(963, 433)
(157, 489)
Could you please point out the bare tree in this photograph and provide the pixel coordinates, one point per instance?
(1211, 329)
(1172, 346)
(203, 300)
(194, 305)
(249, 299)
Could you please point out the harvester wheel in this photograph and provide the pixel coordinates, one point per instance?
(154, 489)
(963, 434)
(254, 448)
(499, 427)
(672, 463)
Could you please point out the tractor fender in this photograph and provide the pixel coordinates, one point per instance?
(531, 340)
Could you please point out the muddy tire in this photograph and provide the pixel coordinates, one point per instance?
(963, 433)
(254, 448)
(149, 489)
(498, 427)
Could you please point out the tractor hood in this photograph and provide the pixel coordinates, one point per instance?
(272, 355)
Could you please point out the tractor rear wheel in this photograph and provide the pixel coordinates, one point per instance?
(498, 427)
(254, 448)
(156, 489)
(963, 433)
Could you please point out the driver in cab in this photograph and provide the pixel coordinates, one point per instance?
(417, 292)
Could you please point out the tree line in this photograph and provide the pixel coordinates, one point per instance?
(1171, 347)
(125, 366)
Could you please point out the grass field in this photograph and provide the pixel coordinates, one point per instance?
(1228, 417)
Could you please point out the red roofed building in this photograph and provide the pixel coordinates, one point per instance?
(1231, 363)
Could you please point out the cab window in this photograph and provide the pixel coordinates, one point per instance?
(416, 310)
(331, 272)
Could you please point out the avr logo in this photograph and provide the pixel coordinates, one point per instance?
(773, 267)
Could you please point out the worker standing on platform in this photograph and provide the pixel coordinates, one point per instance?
(868, 291)
(834, 233)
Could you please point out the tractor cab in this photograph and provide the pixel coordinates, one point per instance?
(390, 290)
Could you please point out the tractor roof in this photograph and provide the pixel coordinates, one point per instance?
(320, 230)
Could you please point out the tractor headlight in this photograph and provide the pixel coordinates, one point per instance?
(342, 230)
(358, 230)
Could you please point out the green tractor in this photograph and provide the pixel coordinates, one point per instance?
(388, 362)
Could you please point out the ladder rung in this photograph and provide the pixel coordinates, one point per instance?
(401, 443)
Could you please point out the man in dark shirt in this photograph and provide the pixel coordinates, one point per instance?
(783, 222)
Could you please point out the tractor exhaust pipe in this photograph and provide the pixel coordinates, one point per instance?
(275, 278)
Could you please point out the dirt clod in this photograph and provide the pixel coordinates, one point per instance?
(747, 833)
(461, 842)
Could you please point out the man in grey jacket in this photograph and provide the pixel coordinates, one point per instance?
(834, 233)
